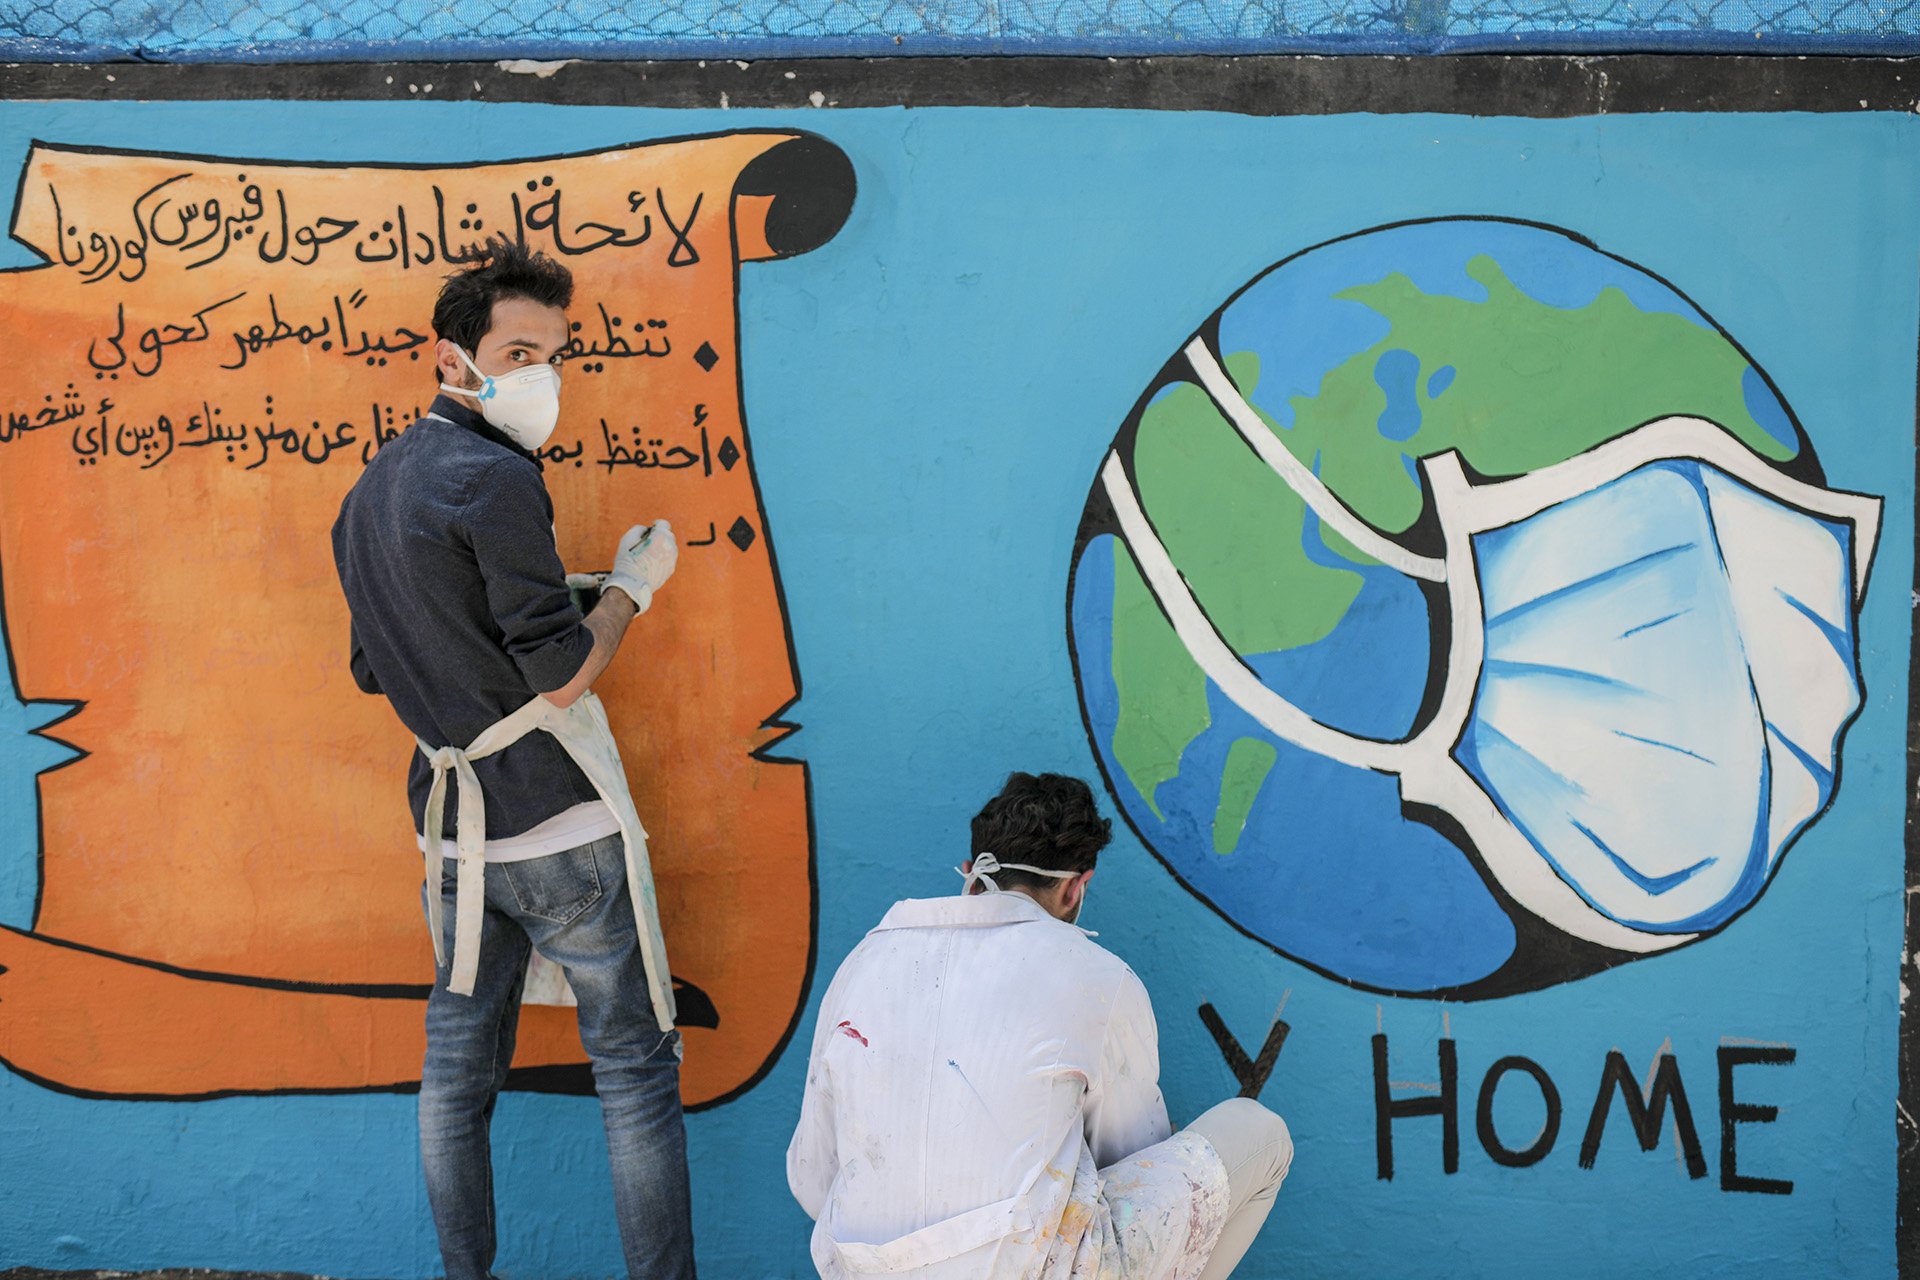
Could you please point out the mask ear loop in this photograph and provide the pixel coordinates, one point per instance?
(1215, 656)
(1196, 631)
(1312, 490)
(481, 394)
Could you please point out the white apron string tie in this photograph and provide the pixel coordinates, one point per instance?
(470, 841)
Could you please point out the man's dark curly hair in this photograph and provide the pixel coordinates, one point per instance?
(1044, 820)
(464, 313)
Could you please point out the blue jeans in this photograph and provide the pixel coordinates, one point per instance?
(575, 908)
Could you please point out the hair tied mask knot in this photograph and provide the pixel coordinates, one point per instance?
(986, 866)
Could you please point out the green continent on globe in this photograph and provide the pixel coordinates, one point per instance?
(1531, 385)
(1249, 760)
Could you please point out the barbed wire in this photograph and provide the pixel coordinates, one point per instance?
(286, 30)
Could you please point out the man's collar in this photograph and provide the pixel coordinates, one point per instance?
(977, 910)
(458, 412)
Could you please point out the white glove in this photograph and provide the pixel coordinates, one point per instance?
(644, 562)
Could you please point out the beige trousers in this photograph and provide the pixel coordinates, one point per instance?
(1255, 1146)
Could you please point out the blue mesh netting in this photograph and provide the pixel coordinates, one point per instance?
(296, 30)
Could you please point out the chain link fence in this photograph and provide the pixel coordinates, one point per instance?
(307, 30)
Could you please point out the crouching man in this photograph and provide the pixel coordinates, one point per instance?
(983, 1098)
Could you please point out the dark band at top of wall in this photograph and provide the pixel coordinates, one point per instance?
(1539, 86)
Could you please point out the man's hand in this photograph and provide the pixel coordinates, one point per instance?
(645, 560)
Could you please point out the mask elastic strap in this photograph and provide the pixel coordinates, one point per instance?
(986, 866)
(1321, 500)
(480, 395)
(1214, 656)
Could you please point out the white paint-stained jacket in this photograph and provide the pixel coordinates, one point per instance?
(975, 1063)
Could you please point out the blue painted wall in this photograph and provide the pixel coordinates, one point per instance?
(930, 393)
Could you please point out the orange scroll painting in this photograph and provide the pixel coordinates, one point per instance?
(229, 897)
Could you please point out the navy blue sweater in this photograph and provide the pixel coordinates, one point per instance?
(459, 605)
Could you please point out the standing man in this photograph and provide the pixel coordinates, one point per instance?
(983, 1098)
(461, 616)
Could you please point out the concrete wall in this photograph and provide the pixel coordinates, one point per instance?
(1012, 398)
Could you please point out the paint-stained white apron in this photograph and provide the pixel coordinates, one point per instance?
(583, 733)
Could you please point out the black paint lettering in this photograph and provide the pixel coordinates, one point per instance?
(1252, 1073)
(1647, 1113)
(1387, 1109)
(1733, 1112)
(1483, 1117)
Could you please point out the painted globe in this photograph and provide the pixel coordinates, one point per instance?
(1508, 346)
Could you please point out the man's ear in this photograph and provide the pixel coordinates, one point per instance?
(446, 358)
(1075, 890)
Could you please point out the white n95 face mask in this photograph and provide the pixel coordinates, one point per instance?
(1652, 662)
(525, 403)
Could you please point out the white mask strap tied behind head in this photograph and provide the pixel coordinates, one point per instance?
(986, 866)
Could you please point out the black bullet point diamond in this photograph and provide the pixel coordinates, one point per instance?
(706, 357)
(741, 534)
(729, 453)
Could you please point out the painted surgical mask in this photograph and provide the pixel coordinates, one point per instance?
(1653, 659)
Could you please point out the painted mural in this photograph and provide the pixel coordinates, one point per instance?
(1475, 549)
(1463, 611)
(227, 892)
